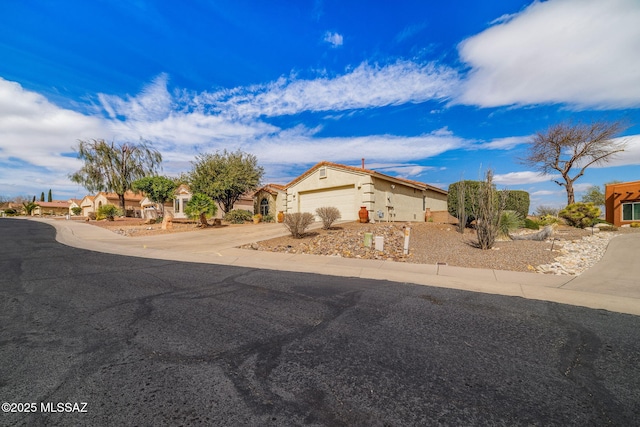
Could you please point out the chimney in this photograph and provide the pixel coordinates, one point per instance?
(363, 163)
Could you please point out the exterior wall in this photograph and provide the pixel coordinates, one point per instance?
(334, 178)
(615, 196)
(87, 206)
(51, 208)
(397, 202)
(73, 204)
(275, 200)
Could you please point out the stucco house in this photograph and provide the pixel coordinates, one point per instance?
(74, 203)
(55, 207)
(270, 200)
(622, 203)
(348, 188)
(183, 195)
(87, 205)
(131, 202)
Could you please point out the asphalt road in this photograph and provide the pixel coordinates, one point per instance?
(151, 342)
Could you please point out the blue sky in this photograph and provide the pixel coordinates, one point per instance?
(430, 91)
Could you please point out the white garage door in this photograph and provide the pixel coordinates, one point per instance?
(343, 198)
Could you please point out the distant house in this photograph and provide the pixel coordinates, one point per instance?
(74, 203)
(151, 209)
(56, 207)
(183, 195)
(270, 200)
(131, 202)
(622, 203)
(350, 188)
(87, 205)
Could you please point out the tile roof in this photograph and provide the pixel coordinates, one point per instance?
(409, 182)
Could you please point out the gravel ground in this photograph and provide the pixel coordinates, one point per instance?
(430, 243)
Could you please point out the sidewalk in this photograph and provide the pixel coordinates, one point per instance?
(612, 284)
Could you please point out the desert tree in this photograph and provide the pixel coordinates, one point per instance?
(570, 149)
(225, 176)
(159, 189)
(593, 195)
(113, 167)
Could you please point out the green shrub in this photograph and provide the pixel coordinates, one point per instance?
(580, 214)
(238, 216)
(509, 221)
(517, 200)
(464, 214)
(201, 206)
(548, 220)
(76, 210)
(328, 215)
(107, 212)
(531, 225)
(298, 222)
(268, 218)
(635, 225)
(10, 212)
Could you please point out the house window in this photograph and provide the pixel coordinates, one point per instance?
(264, 207)
(322, 173)
(176, 205)
(631, 211)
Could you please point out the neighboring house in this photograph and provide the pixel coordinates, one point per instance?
(152, 210)
(270, 200)
(131, 202)
(622, 203)
(183, 195)
(74, 203)
(349, 188)
(87, 205)
(56, 207)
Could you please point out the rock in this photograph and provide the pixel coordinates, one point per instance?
(167, 223)
(541, 235)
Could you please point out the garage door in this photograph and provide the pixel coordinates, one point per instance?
(343, 198)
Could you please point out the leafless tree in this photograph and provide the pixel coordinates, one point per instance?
(565, 147)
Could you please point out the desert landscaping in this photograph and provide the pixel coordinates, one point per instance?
(570, 249)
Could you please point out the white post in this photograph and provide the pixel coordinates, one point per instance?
(407, 233)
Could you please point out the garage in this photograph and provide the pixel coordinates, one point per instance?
(343, 198)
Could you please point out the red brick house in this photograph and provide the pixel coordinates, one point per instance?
(622, 203)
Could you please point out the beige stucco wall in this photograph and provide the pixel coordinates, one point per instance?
(334, 178)
(407, 202)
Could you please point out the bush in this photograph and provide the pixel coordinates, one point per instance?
(76, 210)
(268, 218)
(466, 213)
(531, 225)
(635, 225)
(509, 221)
(107, 212)
(298, 222)
(548, 220)
(580, 214)
(546, 210)
(517, 200)
(10, 212)
(201, 206)
(238, 216)
(328, 215)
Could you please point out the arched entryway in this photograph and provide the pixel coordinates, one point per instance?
(264, 207)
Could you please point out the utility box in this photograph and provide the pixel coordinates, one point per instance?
(379, 243)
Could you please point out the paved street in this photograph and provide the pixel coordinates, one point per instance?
(162, 342)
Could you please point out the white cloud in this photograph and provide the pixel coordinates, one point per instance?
(396, 84)
(334, 39)
(579, 52)
(153, 103)
(630, 155)
(501, 143)
(525, 177)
